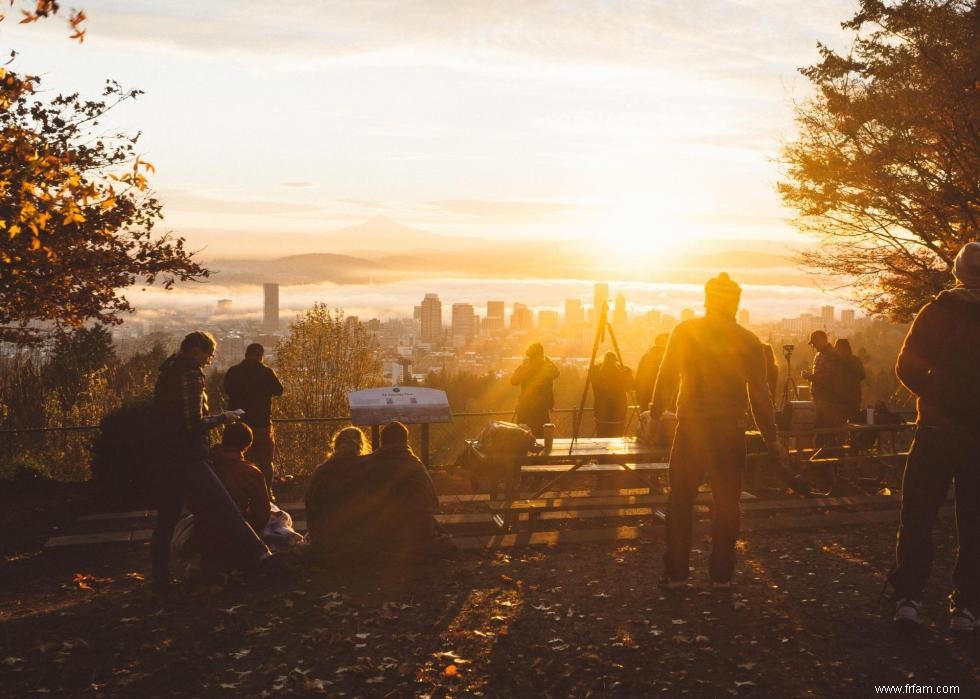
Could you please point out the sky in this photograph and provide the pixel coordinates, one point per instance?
(641, 124)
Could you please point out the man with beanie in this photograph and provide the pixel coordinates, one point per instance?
(940, 363)
(708, 366)
(181, 406)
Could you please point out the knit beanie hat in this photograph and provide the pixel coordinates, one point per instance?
(722, 286)
(966, 266)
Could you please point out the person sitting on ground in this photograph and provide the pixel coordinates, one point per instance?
(332, 507)
(242, 479)
(247, 486)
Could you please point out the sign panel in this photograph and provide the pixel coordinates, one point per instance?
(408, 404)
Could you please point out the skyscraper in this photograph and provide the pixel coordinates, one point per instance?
(495, 309)
(521, 317)
(431, 319)
(847, 316)
(270, 307)
(600, 292)
(464, 323)
(619, 310)
(574, 313)
(827, 314)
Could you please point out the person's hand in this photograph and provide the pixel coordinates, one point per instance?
(231, 416)
(806, 374)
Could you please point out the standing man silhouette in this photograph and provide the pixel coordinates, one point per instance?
(535, 376)
(250, 386)
(709, 366)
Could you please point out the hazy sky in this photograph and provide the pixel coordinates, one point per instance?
(501, 118)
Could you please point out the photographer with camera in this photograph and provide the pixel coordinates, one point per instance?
(825, 381)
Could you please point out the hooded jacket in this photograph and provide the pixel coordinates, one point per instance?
(940, 360)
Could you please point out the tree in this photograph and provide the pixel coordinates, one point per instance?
(76, 211)
(886, 167)
(324, 357)
(74, 358)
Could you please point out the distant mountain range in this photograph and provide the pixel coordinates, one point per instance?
(381, 250)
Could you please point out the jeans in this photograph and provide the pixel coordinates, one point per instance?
(939, 456)
(190, 478)
(715, 446)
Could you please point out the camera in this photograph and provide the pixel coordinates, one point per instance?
(788, 351)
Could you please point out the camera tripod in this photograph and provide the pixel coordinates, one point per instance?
(602, 327)
(789, 386)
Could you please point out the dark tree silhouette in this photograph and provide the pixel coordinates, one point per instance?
(886, 168)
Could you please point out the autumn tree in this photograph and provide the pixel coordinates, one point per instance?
(885, 170)
(325, 356)
(77, 215)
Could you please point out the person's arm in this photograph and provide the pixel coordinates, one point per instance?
(669, 376)
(922, 351)
(231, 384)
(192, 389)
(760, 401)
(521, 373)
(275, 385)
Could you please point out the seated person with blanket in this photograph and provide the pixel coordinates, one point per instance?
(194, 544)
(383, 503)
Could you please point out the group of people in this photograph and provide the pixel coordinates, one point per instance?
(357, 501)
(707, 373)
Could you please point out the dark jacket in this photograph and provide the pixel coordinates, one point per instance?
(181, 405)
(611, 384)
(646, 375)
(851, 375)
(244, 483)
(383, 502)
(250, 386)
(940, 360)
(826, 378)
(709, 365)
(535, 377)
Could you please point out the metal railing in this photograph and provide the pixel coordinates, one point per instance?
(302, 442)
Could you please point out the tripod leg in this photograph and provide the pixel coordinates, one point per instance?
(577, 423)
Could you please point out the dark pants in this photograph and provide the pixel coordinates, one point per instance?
(830, 415)
(937, 457)
(715, 447)
(191, 479)
(262, 451)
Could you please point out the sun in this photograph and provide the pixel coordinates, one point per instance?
(639, 233)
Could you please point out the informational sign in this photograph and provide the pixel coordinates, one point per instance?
(408, 404)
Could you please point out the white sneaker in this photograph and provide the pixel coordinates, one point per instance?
(962, 620)
(721, 586)
(907, 611)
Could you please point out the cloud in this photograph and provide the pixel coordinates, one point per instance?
(748, 35)
(299, 185)
(180, 200)
(504, 211)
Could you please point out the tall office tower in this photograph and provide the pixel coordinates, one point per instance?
(431, 319)
(464, 323)
(495, 309)
(686, 314)
(619, 310)
(548, 321)
(574, 313)
(270, 307)
(847, 316)
(600, 292)
(653, 317)
(521, 317)
(743, 317)
(827, 314)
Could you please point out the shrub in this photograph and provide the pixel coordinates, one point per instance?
(123, 453)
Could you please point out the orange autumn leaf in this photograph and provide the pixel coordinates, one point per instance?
(450, 671)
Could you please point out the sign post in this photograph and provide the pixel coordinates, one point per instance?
(408, 404)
